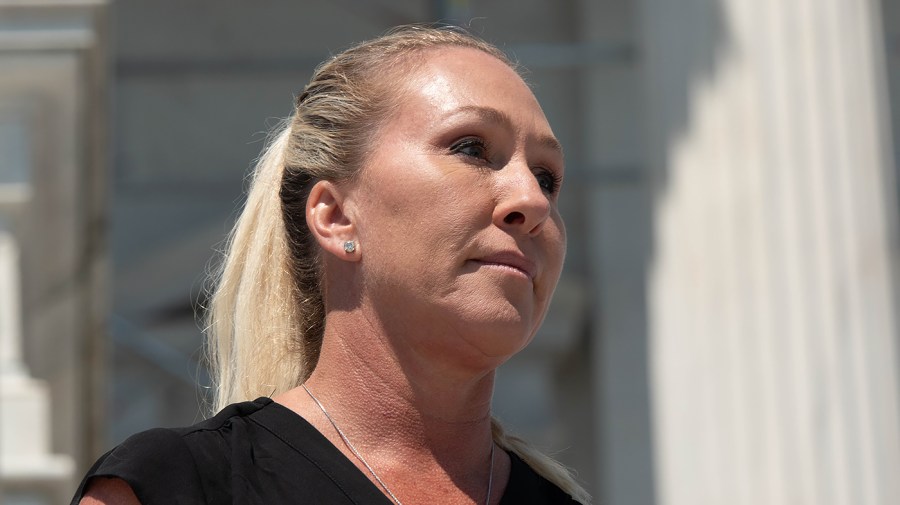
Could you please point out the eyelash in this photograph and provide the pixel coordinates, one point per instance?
(467, 142)
(553, 180)
(547, 179)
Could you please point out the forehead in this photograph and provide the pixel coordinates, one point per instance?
(444, 81)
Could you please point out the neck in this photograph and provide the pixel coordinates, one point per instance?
(415, 402)
(432, 418)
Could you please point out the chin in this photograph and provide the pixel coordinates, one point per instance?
(502, 337)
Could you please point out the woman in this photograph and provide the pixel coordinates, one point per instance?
(400, 241)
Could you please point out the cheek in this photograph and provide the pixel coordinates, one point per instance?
(557, 238)
(415, 220)
(446, 209)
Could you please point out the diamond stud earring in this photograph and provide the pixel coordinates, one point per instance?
(349, 247)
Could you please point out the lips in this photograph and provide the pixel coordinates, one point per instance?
(510, 259)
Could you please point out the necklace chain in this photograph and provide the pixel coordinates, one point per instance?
(371, 470)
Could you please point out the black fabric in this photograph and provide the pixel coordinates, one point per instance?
(260, 452)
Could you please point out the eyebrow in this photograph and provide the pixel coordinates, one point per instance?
(492, 115)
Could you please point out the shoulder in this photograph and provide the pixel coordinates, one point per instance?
(109, 491)
(182, 450)
(186, 464)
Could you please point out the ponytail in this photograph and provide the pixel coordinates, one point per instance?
(252, 318)
(544, 465)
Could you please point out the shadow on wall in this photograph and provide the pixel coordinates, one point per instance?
(681, 48)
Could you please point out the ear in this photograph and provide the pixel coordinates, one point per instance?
(328, 221)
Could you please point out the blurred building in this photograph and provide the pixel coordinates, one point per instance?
(726, 327)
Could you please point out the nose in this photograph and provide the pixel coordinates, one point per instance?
(522, 207)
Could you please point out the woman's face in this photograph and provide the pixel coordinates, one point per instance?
(456, 209)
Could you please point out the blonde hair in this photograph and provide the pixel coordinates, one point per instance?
(266, 315)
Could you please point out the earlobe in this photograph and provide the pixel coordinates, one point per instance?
(329, 222)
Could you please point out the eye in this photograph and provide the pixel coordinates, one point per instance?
(471, 146)
(548, 181)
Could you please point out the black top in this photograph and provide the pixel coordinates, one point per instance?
(261, 452)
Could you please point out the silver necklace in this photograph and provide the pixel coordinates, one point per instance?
(369, 468)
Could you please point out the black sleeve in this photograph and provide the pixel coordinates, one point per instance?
(158, 466)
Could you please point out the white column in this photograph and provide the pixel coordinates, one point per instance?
(772, 328)
(29, 472)
(11, 364)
